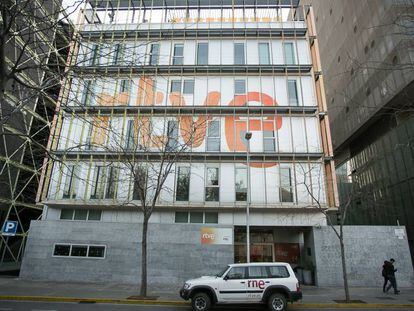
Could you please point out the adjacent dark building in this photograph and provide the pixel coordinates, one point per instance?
(367, 53)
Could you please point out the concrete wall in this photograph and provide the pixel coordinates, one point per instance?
(175, 253)
(366, 249)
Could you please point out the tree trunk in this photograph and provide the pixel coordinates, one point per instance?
(143, 291)
(344, 273)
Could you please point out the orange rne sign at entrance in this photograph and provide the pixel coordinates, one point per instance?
(216, 236)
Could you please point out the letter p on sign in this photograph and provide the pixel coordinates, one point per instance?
(9, 228)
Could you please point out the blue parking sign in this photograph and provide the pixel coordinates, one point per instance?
(9, 228)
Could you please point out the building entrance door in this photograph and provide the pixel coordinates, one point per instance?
(262, 252)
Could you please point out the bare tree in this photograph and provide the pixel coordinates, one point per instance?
(338, 228)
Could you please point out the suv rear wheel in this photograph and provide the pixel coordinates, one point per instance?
(201, 302)
(277, 302)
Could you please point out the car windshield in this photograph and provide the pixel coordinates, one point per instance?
(220, 274)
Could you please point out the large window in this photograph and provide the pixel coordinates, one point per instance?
(74, 250)
(154, 54)
(269, 142)
(178, 58)
(196, 217)
(264, 55)
(213, 135)
(125, 86)
(239, 87)
(118, 54)
(131, 141)
(241, 184)
(293, 93)
(212, 184)
(172, 135)
(183, 183)
(87, 92)
(69, 189)
(289, 51)
(188, 87)
(111, 184)
(175, 86)
(94, 55)
(139, 180)
(239, 57)
(202, 53)
(286, 190)
(104, 182)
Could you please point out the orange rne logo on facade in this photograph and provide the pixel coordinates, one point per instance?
(208, 236)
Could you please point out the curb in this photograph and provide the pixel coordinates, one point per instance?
(184, 303)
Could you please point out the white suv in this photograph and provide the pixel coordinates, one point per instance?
(272, 283)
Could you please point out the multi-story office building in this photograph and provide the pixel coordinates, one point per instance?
(146, 76)
(368, 65)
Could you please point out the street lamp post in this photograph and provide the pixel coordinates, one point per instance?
(248, 136)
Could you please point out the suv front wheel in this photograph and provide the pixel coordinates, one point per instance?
(277, 302)
(201, 302)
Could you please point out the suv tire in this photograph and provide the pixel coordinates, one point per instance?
(277, 302)
(201, 302)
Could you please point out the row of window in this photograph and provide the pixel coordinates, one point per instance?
(77, 214)
(196, 217)
(219, 134)
(123, 54)
(105, 183)
(79, 250)
(91, 96)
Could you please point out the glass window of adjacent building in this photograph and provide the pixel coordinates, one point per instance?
(183, 183)
(293, 92)
(289, 52)
(239, 55)
(202, 53)
(241, 184)
(139, 180)
(154, 54)
(213, 135)
(196, 217)
(178, 56)
(212, 184)
(264, 53)
(239, 87)
(70, 186)
(286, 189)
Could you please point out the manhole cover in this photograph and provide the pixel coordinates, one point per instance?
(385, 298)
(351, 301)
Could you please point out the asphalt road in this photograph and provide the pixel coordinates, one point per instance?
(64, 306)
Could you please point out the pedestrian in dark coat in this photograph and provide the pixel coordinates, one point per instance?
(390, 272)
(384, 274)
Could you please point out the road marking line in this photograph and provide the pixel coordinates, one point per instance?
(5, 309)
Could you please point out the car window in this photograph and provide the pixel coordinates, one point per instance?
(278, 272)
(237, 273)
(258, 272)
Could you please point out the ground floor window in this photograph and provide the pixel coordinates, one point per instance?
(75, 250)
(196, 217)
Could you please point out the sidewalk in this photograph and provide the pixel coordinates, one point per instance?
(16, 289)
